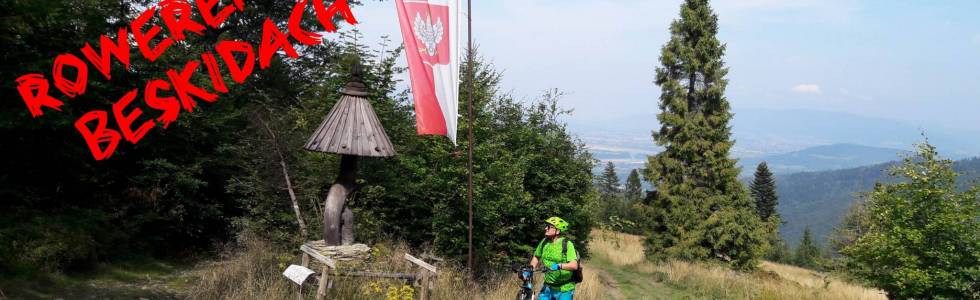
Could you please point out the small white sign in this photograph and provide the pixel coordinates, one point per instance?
(297, 274)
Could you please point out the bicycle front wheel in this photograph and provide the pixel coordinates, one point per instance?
(525, 294)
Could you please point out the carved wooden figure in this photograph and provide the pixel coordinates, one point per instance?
(351, 129)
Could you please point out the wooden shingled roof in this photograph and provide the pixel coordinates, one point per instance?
(352, 127)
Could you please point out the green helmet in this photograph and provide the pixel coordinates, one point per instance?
(558, 223)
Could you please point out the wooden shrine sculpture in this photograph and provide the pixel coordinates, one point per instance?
(351, 129)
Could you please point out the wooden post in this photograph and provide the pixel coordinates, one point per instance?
(424, 294)
(425, 269)
(324, 273)
(322, 290)
(469, 132)
(306, 264)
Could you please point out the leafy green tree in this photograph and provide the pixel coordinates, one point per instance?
(807, 252)
(923, 236)
(853, 225)
(608, 182)
(527, 167)
(166, 195)
(701, 211)
(217, 170)
(633, 191)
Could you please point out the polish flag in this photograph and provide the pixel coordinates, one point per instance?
(430, 31)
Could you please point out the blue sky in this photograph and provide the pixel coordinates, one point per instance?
(916, 61)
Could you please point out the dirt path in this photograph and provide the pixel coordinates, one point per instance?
(615, 259)
(626, 282)
(145, 279)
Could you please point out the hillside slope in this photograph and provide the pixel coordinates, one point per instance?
(619, 261)
(819, 199)
(821, 158)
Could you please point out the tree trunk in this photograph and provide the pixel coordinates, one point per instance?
(289, 184)
(292, 196)
(336, 202)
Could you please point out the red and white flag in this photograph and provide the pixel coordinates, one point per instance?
(430, 30)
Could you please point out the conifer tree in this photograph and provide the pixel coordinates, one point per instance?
(807, 252)
(764, 192)
(633, 189)
(701, 211)
(609, 182)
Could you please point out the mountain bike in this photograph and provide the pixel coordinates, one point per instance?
(526, 275)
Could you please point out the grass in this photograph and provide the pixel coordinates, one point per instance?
(252, 269)
(622, 255)
(130, 279)
(255, 272)
(618, 255)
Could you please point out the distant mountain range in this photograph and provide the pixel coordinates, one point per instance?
(819, 199)
(789, 140)
(820, 158)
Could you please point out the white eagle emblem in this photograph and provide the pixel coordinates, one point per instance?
(426, 32)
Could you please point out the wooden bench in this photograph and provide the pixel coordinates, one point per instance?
(315, 249)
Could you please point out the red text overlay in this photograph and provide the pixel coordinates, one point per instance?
(102, 137)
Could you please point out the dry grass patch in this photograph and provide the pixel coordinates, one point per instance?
(254, 271)
(771, 281)
(250, 274)
(617, 248)
(505, 287)
(835, 288)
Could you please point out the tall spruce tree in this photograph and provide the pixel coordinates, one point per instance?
(609, 182)
(634, 189)
(701, 211)
(764, 192)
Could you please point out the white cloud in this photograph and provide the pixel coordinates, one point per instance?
(807, 88)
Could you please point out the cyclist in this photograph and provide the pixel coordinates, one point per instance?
(558, 284)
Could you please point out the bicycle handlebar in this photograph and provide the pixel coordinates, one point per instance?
(540, 269)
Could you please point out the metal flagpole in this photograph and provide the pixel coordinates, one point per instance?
(469, 129)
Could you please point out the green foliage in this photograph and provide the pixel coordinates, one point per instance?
(620, 209)
(701, 210)
(526, 168)
(807, 253)
(853, 225)
(813, 198)
(923, 236)
(217, 170)
(608, 183)
(633, 191)
(763, 190)
(779, 252)
(162, 196)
